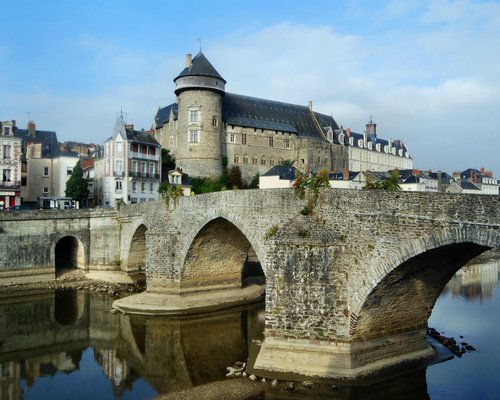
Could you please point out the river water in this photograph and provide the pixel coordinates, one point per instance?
(67, 345)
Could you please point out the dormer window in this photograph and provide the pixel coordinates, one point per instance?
(369, 145)
(351, 141)
(6, 130)
(377, 146)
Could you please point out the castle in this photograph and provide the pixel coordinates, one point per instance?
(206, 124)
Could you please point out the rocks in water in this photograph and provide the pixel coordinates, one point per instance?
(451, 343)
(236, 370)
(308, 384)
(290, 386)
(252, 377)
(274, 383)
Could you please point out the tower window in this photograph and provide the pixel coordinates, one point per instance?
(271, 142)
(287, 143)
(244, 138)
(194, 136)
(215, 121)
(236, 159)
(231, 137)
(194, 116)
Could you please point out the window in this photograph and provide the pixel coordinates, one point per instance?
(271, 162)
(45, 171)
(143, 167)
(6, 130)
(151, 187)
(152, 168)
(236, 159)
(194, 136)
(45, 190)
(262, 161)
(231, 138)
(194, 116)
(271, 142)
(215, 121)
(134, 166)
(245, 159)
(118, 186)
(254, 160)
(287, 143)
(119, 147)
(244, 138)
(171, 142)
(134, 187)
(24, 166)
(118, 167)
(6, 175)
(7, 151)
(24, 181)
(143, 187)
(69, 171)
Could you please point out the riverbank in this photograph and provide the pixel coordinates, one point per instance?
(102, 282)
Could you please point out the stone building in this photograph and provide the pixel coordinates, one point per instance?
(207, 124)
(10, 166)
(129, 171)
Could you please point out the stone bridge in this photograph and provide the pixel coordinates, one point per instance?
(349, 289)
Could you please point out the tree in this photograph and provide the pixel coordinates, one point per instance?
(76, 186)
(167, 160)
(234, 177)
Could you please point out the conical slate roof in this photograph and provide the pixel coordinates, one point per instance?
(200, 66)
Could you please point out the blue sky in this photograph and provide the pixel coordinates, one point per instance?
(428, 71)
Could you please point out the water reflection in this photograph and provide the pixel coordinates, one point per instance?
(68, 345)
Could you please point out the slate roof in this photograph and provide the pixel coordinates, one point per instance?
(200, 66)
(273, 115)
(141, 137)
(374, 139)
(339, 176)
(48, 140)
(445, 177)
(286, 173)
(468, 185)
(163, 115)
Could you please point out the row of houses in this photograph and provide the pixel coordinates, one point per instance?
(471, 181)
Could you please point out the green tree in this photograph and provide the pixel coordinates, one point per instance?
(391, 183)
(287, 163)
(167, 161)
(76, 186)
(234, 177)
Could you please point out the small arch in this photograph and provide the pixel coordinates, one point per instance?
(68, 254)
(220, 256)
(137, 255)
(67, 307)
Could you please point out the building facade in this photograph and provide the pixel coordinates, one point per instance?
(129, 171)
(10, 166)
(207, 125)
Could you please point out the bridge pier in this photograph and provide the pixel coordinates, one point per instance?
(341, 359)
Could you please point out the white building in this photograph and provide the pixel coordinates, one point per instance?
(10, 166)
(278, 177)
(131, 167)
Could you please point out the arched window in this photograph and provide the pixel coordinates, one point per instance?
(245, 159)
(263, 161)
(236, 159)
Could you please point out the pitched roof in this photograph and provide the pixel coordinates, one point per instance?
(273, 115)
(287, 173)
(163, 114)
(468, 185)
(339, 176)
(47, 139)
(141, 137)
(200, 66)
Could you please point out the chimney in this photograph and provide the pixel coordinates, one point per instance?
(345, 174)
(310, 105)
(371, 128)
(32, 128)
(189, 60)
(348, 132)
(482, 170)
(129, 127)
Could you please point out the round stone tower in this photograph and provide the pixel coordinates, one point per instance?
(199, 89)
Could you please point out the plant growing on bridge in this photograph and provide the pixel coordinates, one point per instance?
(391, 183)
(168, 192)
(309, 188)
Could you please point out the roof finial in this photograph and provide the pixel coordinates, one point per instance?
(371, 119)
(199, 41)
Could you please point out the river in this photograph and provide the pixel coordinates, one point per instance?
(67, 345)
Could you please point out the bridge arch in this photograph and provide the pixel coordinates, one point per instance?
(137, 250)
(218, 254)
(69, 253)
(407, 284)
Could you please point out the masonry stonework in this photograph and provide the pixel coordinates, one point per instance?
(349, 288)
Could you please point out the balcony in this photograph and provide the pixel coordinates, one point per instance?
(118, 174)
(143, 175)
(10, 185)
(142, 156)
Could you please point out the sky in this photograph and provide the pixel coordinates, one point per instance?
(427, 71)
